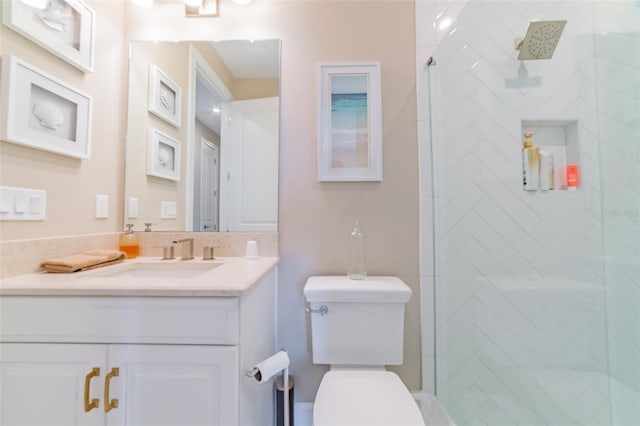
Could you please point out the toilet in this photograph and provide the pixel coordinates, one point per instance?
(357, 327)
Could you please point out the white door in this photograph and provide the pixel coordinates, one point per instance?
(208, 186)
(46, 384)
(249, 165)
(169, 385)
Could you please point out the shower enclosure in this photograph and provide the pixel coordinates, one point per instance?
(537, 293)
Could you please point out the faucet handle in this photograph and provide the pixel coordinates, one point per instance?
(167, 252)
(208, 252)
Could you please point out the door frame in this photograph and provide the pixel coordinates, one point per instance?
(200, 69)
(216, 215)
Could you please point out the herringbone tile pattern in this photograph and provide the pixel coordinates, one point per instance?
(521, 300)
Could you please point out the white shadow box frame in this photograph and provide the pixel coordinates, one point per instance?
(349, 122)
(43, 112)
(163, 156)
(66, 28)
(165, 96)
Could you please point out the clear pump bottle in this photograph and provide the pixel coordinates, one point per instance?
(357, 266)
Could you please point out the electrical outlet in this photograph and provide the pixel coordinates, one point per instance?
(102, 206)
(132, 212)
(168, 209)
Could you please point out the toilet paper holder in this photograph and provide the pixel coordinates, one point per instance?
(268, 368)
(253, 373)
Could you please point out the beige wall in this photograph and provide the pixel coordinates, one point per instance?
(72, 184)
(251, 88)
(315, 219)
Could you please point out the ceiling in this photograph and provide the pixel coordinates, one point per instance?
(244, 59)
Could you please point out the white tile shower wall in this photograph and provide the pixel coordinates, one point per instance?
(519, 283)
(618, 93)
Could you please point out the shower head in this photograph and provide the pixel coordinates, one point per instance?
(541, 40)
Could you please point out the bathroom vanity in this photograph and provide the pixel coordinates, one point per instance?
(140, 343)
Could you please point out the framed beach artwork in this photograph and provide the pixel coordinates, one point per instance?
(165, 96)
(66, 28)
(163, 156)
(349, 122)
(43, 112)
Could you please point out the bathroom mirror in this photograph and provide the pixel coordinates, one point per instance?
(202, 136)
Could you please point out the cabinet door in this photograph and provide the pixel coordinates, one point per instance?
(174, 385)
(44, 384)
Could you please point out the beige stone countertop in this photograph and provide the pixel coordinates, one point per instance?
(147, 276)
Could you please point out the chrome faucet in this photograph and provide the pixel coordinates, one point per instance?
(187, 254)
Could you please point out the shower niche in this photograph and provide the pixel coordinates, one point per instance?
(559, 139)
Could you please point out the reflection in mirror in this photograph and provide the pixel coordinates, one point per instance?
(202, 136)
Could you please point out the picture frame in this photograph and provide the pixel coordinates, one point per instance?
(201, 9)
(165, 96)
(163, 156)
(66, 28)
(43, 112)
(349, 122)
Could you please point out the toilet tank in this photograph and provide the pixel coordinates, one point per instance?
(364, 321)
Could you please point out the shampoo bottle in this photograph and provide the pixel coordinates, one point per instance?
(530, 164)
(357, 268)
(547, 176)
(129, 243)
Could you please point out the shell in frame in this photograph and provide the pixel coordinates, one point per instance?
(48, 114)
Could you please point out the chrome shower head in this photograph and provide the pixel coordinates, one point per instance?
(541, 40)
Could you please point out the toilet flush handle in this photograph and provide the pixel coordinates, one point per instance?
(323, 310)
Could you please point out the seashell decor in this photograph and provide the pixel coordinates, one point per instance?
(48, 114)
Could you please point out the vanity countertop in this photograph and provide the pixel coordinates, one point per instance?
(233, 277)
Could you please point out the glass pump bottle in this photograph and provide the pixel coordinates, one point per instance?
(357, 269)
(129, 243)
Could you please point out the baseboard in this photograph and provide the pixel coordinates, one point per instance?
(303, 414)
(434, 414)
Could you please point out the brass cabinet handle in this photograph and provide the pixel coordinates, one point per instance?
(110, 404)
(88, 406)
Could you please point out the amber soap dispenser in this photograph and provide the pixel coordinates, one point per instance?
(129, 243)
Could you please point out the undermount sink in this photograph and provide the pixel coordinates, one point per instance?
(159, 270)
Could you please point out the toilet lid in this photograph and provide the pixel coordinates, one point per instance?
(366, 398)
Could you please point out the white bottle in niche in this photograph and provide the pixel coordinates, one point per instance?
(357, 269)
(547, 178)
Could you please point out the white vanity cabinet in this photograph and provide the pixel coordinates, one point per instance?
(143, 360)
(55, 384)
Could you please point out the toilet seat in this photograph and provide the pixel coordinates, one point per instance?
(364, 398)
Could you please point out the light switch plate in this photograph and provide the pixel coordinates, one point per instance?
(22, 204)
(102, 206)
(132, 211)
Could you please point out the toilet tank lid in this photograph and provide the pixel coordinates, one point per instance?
(344, 289)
